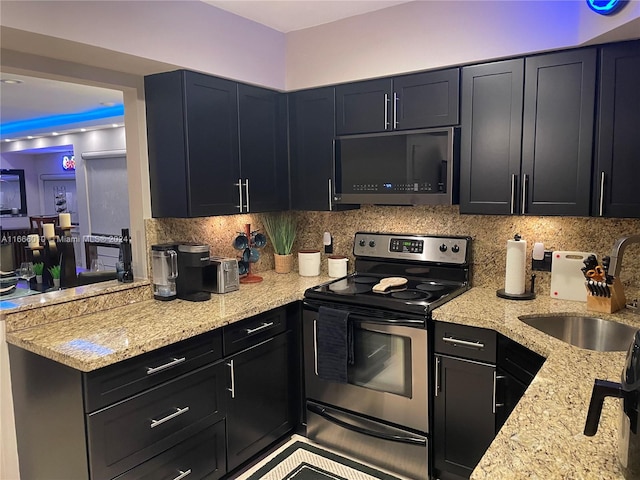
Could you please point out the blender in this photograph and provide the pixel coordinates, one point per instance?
(164, 265)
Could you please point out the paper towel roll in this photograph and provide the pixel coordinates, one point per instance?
(515, 272)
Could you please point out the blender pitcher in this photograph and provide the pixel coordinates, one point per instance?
(164, 264)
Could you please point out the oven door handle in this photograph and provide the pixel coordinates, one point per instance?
(365, 431)
(400, 322)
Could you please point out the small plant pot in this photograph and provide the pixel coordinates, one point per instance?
(38, 278)
(56, 283)
(284, 263)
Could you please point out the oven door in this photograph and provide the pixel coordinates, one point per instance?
(388, 378)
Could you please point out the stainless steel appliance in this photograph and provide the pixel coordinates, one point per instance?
(221, 275)
(373, 403)
(400, 168)
(629, 391)
(164, 266)
(192, 260)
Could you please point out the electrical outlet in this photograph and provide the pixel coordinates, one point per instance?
(543, 265)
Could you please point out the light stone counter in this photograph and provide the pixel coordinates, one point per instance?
(94, 340)
(542, 438)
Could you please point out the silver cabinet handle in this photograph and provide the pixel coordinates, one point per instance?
(457, 341)
(264, 325)
(395, 110)
(386, 111)
(513, 193)
(246, 186)
(437, 375)
(177, 413)
(601, 213)
(239, 185)
(233, 380)
(315, 347)
(330, 195)
(174, 361)
(524, 193)
(495, 381)
(182, 474)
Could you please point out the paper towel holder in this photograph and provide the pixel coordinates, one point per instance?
(520, 296)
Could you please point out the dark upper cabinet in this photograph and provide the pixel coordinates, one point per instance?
(618, 143)
(192, 127)
(312, 117)
(490, 142)
(264, 169)
(526, 147)
(216, 147)
(422, 100)
(557, 134)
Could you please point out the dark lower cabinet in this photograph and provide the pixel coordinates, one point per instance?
(618, 143)
(259, 409)
(479, 377)
(464, 415)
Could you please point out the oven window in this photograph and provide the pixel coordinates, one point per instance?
(381, 362)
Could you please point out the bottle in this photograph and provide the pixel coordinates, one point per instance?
(126, 276)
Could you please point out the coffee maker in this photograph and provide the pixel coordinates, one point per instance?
(164, 266)
(193, 258)
(629, 391)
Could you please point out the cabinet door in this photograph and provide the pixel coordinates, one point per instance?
(364, 107)
(426, 100)
(490, 137)
(618, 161)
(263, 154)
(557, 137)
(464, 415)
(312, 128)
(192, 127)
(259, 403)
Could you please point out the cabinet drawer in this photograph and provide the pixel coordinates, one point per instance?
(249, 332)
(121, 380)
(130, 432)
(201, 456)
(464, 341)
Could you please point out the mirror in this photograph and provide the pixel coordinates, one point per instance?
(13, 194)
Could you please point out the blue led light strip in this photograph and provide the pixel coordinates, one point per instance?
(58, 120)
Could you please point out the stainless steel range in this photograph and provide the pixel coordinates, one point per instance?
(366, 347)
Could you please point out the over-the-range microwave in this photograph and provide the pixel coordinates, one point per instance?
(414, 167)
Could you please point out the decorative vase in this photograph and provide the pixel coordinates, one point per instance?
(56, 282)
(283, 263)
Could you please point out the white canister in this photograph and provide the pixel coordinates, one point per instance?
(309, 263)
(337, 266)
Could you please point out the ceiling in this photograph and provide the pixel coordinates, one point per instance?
(39, 106)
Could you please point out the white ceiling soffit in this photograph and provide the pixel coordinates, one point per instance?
(289, 15)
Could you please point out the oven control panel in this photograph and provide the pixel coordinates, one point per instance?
(425, 248)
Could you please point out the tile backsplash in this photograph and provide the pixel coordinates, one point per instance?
(490, 234)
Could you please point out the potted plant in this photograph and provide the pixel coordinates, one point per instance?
(281, 230)
(38, 268)
(55, 274)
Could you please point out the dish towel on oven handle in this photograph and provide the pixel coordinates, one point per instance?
(334, 343)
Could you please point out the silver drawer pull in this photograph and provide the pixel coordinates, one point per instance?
(465, 343)
(183, 474)
(174, 361)
(178, 412)
(257, 329)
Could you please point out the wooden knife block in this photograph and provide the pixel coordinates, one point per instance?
(610, 304)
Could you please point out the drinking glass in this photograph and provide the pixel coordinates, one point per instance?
(26, 270)
(97, 265)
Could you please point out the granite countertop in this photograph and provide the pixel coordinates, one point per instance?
(543, 437)
(94, 340)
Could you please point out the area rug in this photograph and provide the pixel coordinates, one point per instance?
(303, 461)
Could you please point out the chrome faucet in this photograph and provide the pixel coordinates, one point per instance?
(618, 250)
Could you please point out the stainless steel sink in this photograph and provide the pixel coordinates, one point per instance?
(584, 332)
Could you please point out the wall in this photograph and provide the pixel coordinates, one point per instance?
(489, 233)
